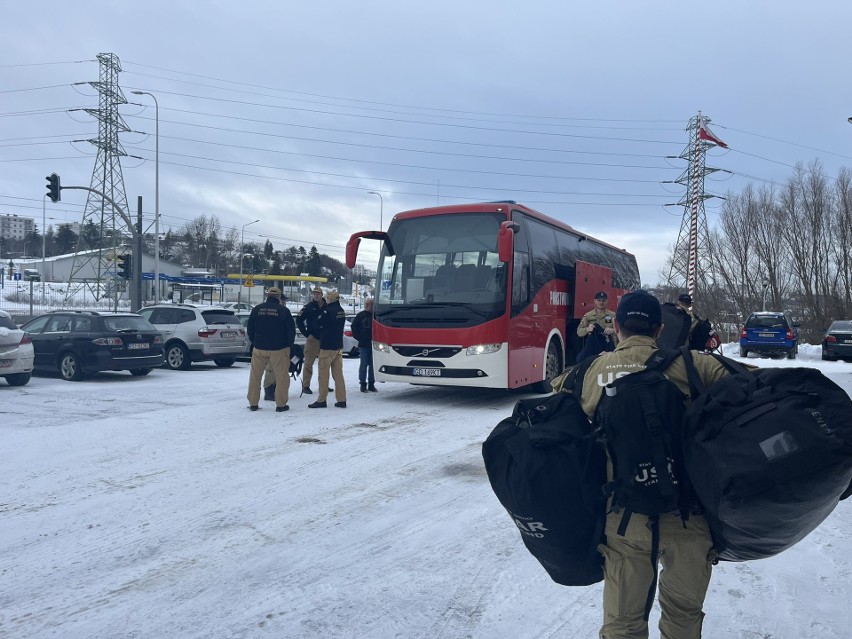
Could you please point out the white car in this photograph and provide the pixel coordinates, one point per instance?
(350, 344)
(16, 352)
(237, 307)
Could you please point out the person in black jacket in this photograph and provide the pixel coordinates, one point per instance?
(362, 330)
(272, 332)
(308, 323)
(332, 321)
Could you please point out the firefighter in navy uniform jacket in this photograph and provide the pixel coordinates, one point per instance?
(308, 323)
(332, 321)
(272, 332)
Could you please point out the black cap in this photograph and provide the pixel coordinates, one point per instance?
(685, 298)
(639, 307)
(601, 295)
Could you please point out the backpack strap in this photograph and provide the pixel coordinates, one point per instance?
(654, 525)
(660, 360)
(575, 379)
(696, 386)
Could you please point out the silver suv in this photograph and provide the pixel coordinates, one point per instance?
(196, 334)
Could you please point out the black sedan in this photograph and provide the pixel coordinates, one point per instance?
(78, 342)
(837, 341)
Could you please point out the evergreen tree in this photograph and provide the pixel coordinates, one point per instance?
(66, 239)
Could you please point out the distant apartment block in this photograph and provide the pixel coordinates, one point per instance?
(15, 227)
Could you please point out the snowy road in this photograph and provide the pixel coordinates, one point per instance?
(160, 507)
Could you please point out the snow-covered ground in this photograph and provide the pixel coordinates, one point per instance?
(159, 507)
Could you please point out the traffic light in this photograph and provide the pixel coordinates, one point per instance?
(53, 187)
(125, 266)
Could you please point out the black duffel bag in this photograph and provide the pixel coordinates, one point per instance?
(547, 473)
(769, 454)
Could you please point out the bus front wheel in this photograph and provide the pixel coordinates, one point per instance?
(552, 368)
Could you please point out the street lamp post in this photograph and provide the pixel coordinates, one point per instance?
(156, 193)
(242, 243)
(43, 231)
(381, 206)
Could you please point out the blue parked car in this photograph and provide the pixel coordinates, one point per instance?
(770, 333)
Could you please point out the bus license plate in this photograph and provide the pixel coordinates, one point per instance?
(427, 372)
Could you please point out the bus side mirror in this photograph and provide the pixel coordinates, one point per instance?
(505, 240)
(352, 251)
(355, 241)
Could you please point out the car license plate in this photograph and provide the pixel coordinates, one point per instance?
(137, 346)
(427, 372)
(766, 334)
(847, 341)
(229, 333)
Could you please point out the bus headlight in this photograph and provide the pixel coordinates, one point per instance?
(483, 349)
(381, 347)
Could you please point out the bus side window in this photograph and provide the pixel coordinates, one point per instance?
(520, 282)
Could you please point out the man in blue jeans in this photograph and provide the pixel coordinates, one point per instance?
(362, 330)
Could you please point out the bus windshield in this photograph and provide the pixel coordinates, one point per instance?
(445, 266)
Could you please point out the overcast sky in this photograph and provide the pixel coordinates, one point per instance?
(292, 112)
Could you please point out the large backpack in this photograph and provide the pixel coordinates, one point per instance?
(769, 455)
(639, 421)
(676, 323)
(701, 334)
(547, 472)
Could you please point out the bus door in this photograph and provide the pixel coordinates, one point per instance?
(521, 338)
(590, 279)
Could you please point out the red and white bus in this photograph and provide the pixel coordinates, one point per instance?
(486, 295)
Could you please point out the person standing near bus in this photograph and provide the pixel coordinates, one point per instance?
(597, 328)
(362, 330)
(272, 331)
(308, 323)
(332, 321)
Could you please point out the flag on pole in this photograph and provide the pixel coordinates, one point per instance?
(704, 133)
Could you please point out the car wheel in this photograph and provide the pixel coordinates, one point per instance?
(18, 379)
(70, 368)
(552, 368)
(177, 357)
(224, 363)
(743, 352)
(139, 372)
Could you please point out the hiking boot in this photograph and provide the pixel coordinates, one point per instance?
(281, 409)
(372, 388)
(363, 387)
(307, 391)
(340, 404)
(269, 393)
(253, 408)
(318, 405)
